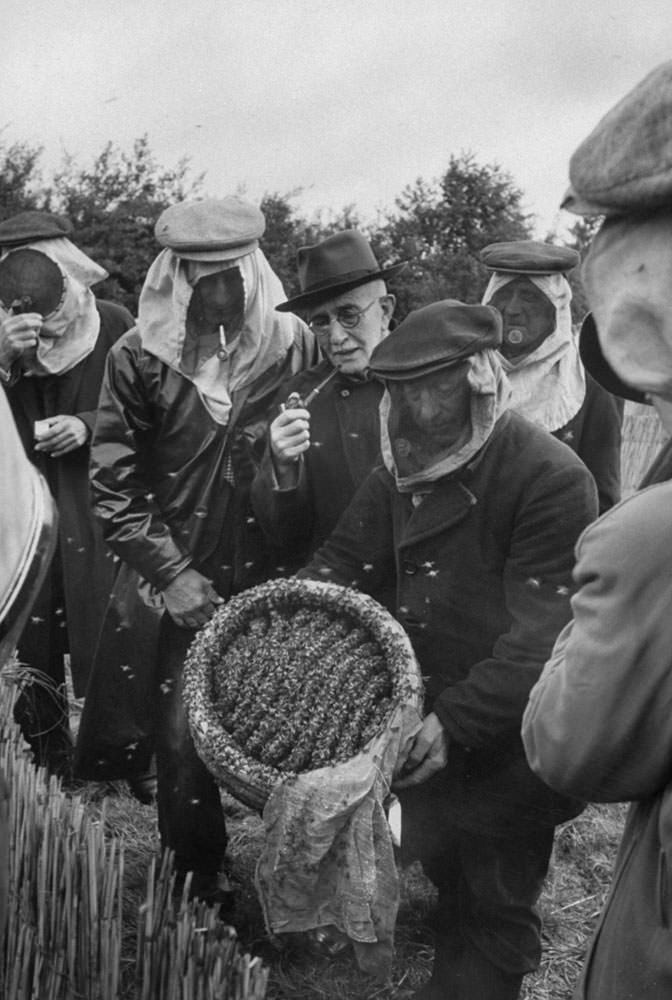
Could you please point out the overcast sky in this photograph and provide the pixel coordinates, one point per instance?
(349, 100)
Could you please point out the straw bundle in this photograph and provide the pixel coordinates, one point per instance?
(63, 935)
(291, 676)
(191, 955)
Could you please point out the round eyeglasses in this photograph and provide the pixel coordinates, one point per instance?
(348, 317)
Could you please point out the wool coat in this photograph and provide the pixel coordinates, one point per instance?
(482, 565)
(77, 589)
(344, 447)
(171, 489)
(594, 433)
(598, 726)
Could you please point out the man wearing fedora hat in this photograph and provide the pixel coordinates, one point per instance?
(54, 340)
(182, 406)
(473, 516)
(598, 721)
(540, 356)
(318, 454)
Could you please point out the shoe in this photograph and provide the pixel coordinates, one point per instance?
(213, 890)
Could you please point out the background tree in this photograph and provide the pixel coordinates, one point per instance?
(283, 235)
(440, 227)
(20, 180)
(113, 207)
(287, 230)
(581, 235)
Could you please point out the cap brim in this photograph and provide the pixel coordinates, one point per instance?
(224, 253)
(309, 299)
(523, 270)
(575, 203)
(596, 364)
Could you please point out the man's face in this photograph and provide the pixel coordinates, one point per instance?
(429, 416)
(218, 300)
(350, 348)
(528, 317)
(439, 403)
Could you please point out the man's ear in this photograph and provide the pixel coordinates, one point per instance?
(387, 303)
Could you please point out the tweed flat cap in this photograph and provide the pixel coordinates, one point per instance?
(211, 229)
(29, 227)
(440, 335)
(528, 257)
(625, 164)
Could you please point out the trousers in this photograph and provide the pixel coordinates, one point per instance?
(190, 814)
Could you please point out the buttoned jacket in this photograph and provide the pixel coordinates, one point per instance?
(482, 566)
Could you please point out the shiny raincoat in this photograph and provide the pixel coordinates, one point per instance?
(172, 488)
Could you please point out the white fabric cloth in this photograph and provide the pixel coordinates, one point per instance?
(548, 386)
(264, 339)
(490, 393)
(69, 334)
(328, 859)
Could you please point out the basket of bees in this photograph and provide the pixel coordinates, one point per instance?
(291, 676)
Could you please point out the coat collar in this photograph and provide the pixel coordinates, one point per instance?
(453, 497)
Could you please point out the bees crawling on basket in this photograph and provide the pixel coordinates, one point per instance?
(302, 690)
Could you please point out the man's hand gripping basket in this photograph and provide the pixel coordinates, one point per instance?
(291, 676)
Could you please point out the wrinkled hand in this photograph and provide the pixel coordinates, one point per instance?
(290, 435)
(18, 336)
(426, 753)
(190, 599)
(65, 434)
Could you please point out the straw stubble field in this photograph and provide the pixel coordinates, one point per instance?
(578, 880)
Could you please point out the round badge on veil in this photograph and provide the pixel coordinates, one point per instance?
(30, 282)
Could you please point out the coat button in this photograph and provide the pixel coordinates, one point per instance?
(345, 393)
(409, 567)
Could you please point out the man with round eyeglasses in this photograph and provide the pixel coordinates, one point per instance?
(319, 453)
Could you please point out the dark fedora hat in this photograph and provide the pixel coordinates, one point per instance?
(595, 362)
(337, 264)
(441, 335)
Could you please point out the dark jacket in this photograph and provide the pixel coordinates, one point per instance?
(598, 725)
(594, 433)
(483, 574)
(345, 445)
(171, 489)
(84, 566)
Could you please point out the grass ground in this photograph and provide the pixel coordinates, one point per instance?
(582, 863)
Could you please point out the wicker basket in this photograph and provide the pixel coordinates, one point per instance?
(290, 676)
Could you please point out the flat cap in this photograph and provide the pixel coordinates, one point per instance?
(528, 257)
(211, 229)
(440, 335)
(29, 227)
(625, 164)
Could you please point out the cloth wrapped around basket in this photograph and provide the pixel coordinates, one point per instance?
(300, 696)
